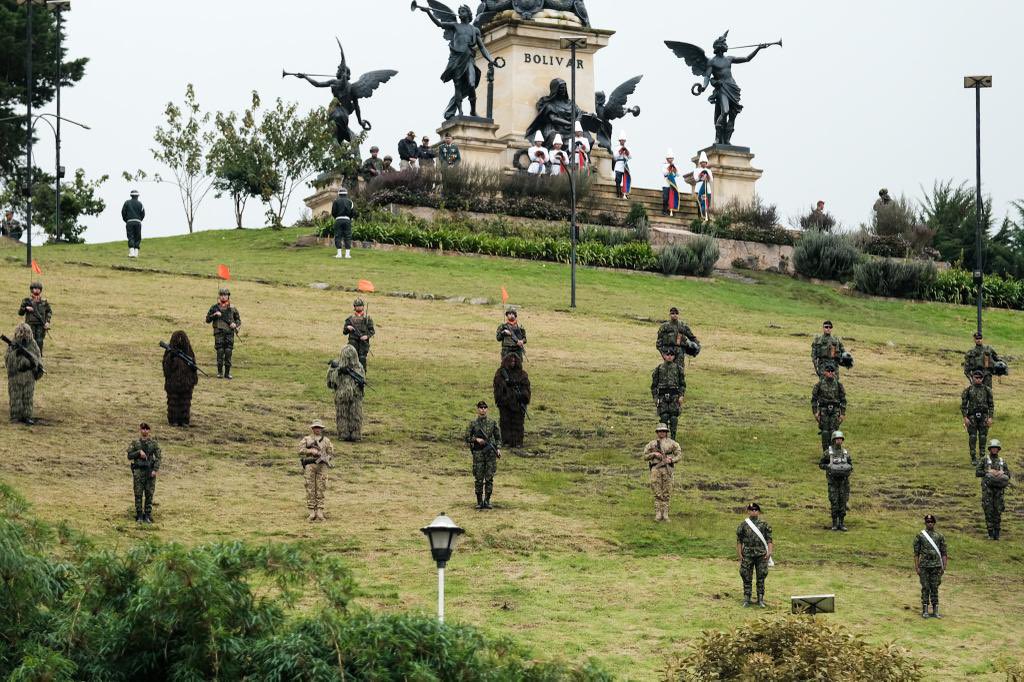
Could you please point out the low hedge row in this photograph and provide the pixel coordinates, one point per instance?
(920, 280)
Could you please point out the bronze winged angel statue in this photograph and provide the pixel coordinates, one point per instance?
(347, 95)
(609, 109)
(717, 71)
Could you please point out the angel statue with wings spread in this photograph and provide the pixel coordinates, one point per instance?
(718, 72)
(464, 39)
(609, 109)
(347, 95)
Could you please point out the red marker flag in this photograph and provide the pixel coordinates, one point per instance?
(35, 267)
(504, 296)
(365, 285)
(223, 272)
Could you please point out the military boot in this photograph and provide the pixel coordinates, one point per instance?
(746, 600)
(220, 367)
(924, 610)
(148, 518)
(319, 514)
(138, 516)
(760, 600)
(842, 522)
(488, 489)
(935, 611)
(227, 370)
(312, 515)
(479, 495)
(835, 525)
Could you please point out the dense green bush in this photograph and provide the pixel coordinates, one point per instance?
(753, 222)
(822, 222)
(791, 648)
(825, 255)
(892, 277)
(696, 258)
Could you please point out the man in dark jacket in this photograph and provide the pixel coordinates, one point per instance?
(426, 153)
(343, 211)
(408, 152)
(132, 213)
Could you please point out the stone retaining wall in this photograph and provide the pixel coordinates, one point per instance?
(755, 256)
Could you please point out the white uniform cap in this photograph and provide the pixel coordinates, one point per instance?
(539, 137)
(622, 135)
(558, 139)
(669, 154)
(703, 158)
(578, 127)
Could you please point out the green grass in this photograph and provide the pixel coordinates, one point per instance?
(571, 562)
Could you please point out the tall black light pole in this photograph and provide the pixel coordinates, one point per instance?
(28, 131)
(573, 44)
(59, 6)
(978, 82)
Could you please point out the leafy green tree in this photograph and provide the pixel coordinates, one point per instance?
(13, 86)
(239, 160)
(1006, 248)
(78, 198)
(949, 211)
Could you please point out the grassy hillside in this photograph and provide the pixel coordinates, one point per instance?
(571, 561)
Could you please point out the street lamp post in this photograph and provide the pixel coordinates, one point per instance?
(59, 6)
(442, 534)
(978, 82)
(30, 82)
(573, 44)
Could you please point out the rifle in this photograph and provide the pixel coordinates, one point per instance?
(361, 381)
(512, 334)
(489, 445)
(38, 316)
(322, 459)
(184, 358)
(234, 331)
(37, 366)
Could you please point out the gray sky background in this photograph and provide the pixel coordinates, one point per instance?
(863, 95)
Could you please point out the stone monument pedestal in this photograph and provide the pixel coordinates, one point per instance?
(477, 141)
(735, 177)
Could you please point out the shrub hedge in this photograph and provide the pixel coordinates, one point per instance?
(825, 255)
(892, 277)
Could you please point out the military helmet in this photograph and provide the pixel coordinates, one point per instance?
(224, 291)
(995, 444)
(977, 373)
(829, 367)
(358, 303)
(35, 285)
(846, 360)
(374, 148)
(482, 403)
(838, 434)
(1000, 369)
(661, 427)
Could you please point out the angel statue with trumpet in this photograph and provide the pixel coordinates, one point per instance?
(608, 109)
(347, 95)
(717, 71)
(464, 39)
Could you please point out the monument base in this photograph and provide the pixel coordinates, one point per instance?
(735, 177)
(478, 142)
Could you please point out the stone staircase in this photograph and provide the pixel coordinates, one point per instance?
(602, 198)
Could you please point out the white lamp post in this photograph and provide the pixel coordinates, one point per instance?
(442, 534)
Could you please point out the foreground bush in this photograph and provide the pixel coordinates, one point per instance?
(891, 277)
(791, 648)
(697, 258)
(825, 256)
(751, 222)
(228, 611)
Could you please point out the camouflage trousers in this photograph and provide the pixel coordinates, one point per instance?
(931, 578)
(316, 484)
(39, 334)
(827, 425)
(977, 437)
(224, 344)
(362, 350)
(144, 487)
(748, 567)
(661, 486)
(838, 495)
(485, 466)
(993, 505)
(21, 389)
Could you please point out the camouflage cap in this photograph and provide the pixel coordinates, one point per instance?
(673, 310)
(224, 291)
(481, 404)
(929, 518)
(661, 427)
(995, 444)
(358, 303)
(317, 424)
(35, 285)
(839, 435)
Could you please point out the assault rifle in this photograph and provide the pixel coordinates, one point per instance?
(489, 445)
(37, 366)
(361, 381)
(324, 458)
(184, 358)
(38, 316)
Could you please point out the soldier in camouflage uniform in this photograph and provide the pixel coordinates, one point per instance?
(978, 408)
(144, 455)
(675, 335)
(668, 386)
(482, 437)
(837, 465)
(982, 357)
(661, 455)
(226, 321)
(359, 330)
(315, 453)
(930, 561)
(37, 313)
(995, 476)
(512, 336)
(826, 348)
(754, 552)
(828, 403)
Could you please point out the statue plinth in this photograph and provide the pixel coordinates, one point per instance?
(477, 141)
(735, 177)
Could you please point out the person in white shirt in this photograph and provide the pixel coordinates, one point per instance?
(538, 155)
(620, 164)
(581, 147)
(559, 157)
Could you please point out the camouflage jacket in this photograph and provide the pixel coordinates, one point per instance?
(657, 451)
(828, 393)
(977, 400)
(667, 380)
(980, 357)
(485, 428)
(926, 553)
(510, 340)
(363, 326)
(826, 347)
(312, 450)
(986, 463)
(670, 332)
(222, 324)
(152, 450)
(752, 545)
(40, 314)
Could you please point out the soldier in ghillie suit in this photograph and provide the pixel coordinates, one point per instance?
(37, 313)
(512, 396)
(348, 381)
(828, 403)
(978, 409)
(675, 335)
(837, 465)
(24, 366)
(482, 437)
(661, 455)
(754, 548)
(226, 321)
(982, 357)
(825, 349)
(144, 455)
(995, 476)
(511, 335)
(315, 453)
(180, 379)
(668, 386)
(930, 561)
(359, 329)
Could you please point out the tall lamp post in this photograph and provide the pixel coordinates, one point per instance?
(59, 6)
(30, 83)
(978, 82)
(573, 44)
(442, 534)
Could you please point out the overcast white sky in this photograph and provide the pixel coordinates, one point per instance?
(863, 95)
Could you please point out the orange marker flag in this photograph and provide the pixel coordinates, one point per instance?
(35, 267)
(223, 272)
(365, 285)
(504, 296)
